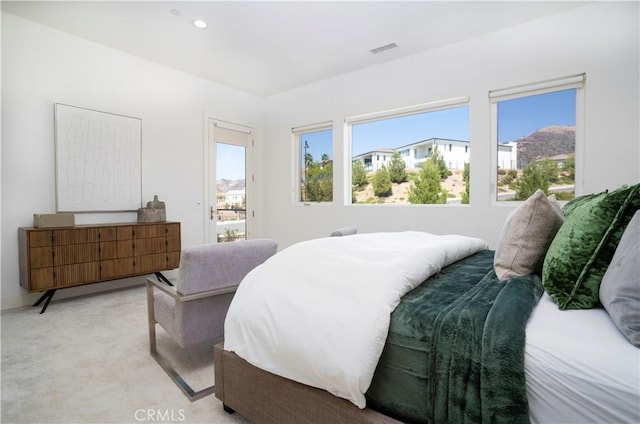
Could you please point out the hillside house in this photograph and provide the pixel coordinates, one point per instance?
(375, 159)
(508, 155)
(454, 152)
(234, 197)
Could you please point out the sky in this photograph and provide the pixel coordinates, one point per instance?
(516, 118)
(522, 116)
(448, 123)
(230, 162)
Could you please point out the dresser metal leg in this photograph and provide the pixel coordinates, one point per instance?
(48, 295)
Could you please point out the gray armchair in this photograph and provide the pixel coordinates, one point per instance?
(193, 311)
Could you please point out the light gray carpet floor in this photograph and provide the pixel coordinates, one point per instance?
(86, 360)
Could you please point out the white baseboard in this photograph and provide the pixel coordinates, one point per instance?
(28, 299)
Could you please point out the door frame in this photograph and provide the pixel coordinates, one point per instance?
(209, 164)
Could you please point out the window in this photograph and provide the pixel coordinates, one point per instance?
(425, 151)
(536, 130)
(314, 176)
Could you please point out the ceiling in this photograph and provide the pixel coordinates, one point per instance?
(266, 47)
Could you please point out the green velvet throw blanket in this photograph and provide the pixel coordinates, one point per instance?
(455, 349)
(477, 371)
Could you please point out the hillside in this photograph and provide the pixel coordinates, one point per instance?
(546, 142)
(224, 186)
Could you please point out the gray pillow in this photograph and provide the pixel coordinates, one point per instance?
(620, 287)
(526, 236)
(344, 231)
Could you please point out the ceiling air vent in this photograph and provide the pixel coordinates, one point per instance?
(383, 48)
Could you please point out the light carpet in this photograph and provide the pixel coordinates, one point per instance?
(86, 360)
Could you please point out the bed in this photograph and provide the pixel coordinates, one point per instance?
(479, 338)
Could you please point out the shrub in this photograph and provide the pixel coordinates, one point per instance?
(509, 177)
(533, 178)
(426, 188)
(382, 182)
(318, 186)
(358, 175)
(465, 177)
(437, 159)
(397, 170)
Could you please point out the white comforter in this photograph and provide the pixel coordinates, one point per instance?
(318, 312)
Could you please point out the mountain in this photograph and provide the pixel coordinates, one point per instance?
(546, 142)
(224, 186)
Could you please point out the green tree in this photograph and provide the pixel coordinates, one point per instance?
(426, 188)
(308, 159)
(382, 182)
(397, 169)
(318, 179)
(437, 158)
(319, 182)
(324, 159)
(465, 177)
(549, 169)
(230, 235)
(508, 177)
(358, 175)
(570, 166)
(308, 163)
(532, 179)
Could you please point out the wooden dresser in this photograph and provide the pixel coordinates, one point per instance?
(60, 257)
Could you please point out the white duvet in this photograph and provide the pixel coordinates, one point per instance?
(318, 312)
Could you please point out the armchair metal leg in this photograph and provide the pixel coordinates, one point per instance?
(186, 389)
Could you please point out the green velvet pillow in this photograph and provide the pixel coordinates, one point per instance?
(583, 247)
(575, 203)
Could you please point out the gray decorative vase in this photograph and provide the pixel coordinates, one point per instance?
(154, 212)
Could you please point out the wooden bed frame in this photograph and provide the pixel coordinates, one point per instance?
(263, 397)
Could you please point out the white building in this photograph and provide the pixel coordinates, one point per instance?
(374, 160)
(508, 155)
(234, 197)
(454, 152)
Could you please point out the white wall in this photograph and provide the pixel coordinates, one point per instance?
(600, 40)
(41, 66)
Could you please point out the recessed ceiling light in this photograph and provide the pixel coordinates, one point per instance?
(199, 23)
(175, 12)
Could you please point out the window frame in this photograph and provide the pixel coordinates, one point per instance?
(296, 177)
(349, 122)
(577, 82)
